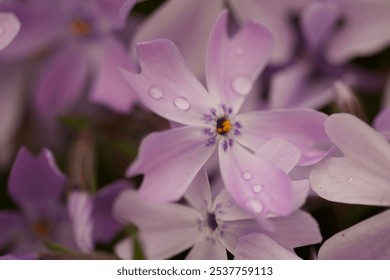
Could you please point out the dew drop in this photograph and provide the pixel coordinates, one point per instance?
(155, 92)
(182, 103)
(257, 188)
(242, 85)
(247, 175)
(350, 179)
(254, 205)
(229, 204)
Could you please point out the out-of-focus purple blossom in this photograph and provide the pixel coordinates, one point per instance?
(382, 122)
(167, 87)
(9, 28)
(209, 226)
(36, 186)
(91, 215)
(82, 45)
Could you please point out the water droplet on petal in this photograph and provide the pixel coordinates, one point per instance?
(247, 175)
(254, 205)
(182, 103)
(155, 92)
(242, 85)
(350, 179)
(229, 204)
(257, 188)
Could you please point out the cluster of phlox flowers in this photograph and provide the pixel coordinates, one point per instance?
(194, 129)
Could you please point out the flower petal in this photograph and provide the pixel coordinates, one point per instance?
(298, 229)
(61, 81)
(80, 206)
(11, 223)
(233, 64)
(185, 22)
(109, 88)
(257, 246)
(364, 32)
(105, 226)
(304, 128)
(35, 35)
(318, 19)
(367, 240)
(170, 160)
(280, 154)
(207, 248)
(274, 15)
(359, 142)
(198, 193)
(347, 181)
(124, 249)
(9, 27)
(35, 181)
(112, 14)
(166, 85)
(293, 87)
(165, 229)
(253, 183)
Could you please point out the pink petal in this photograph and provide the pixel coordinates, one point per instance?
(112, 14)
(166, 84)
(304, 128)
(367, 240)
(318, 20)
(274, 15)
(359, 142)
(198, 194)
(207, 248)
(382, 122)
(35, 181)
(345, 180)
(169, 161)
(365, 31)
(124, 249)
(253, 183)
(109, 88)
(9, 28)
(300, 190)
(280, 154)
(165, 229)
(61, 82)
(292, 88)
(80, 205)
(257, 246)
(185, 22)
(234, 64)
(298, 229)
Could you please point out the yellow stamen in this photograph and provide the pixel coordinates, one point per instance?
(80, 27)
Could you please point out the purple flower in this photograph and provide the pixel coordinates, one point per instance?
(171, 159)
(80, 35)
(360, 177)
(209, 226)
(36, 186)
(9, 28)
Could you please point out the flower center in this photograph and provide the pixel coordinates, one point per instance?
(223, 126)
(80, 27)
(41, 229)
(211, 221)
